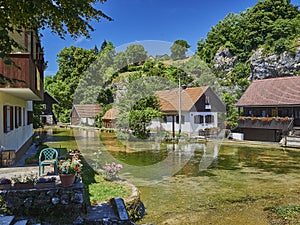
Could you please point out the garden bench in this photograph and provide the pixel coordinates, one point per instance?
(48, 156)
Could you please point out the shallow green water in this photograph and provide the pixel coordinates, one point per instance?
(196, 183)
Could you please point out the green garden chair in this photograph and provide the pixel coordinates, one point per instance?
(48, 156)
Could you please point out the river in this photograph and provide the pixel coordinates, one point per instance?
(200, 183)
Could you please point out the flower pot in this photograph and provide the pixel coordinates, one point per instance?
(5, 186)
(67, 179)
(23, 186)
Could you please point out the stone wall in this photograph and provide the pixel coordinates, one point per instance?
(56, 201)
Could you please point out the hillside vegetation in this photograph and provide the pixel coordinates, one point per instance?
(273, 25)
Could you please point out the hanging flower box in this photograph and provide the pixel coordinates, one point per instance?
(45, 182)
(24, 182)
(23, 186)
(5, 186)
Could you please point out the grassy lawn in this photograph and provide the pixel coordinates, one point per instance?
(97, 189)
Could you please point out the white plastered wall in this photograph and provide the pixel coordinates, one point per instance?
(16, 138)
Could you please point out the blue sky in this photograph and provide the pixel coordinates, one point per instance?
(140, 20)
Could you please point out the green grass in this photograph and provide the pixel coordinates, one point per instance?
(285, 214)
(96, 189)
(103, 190)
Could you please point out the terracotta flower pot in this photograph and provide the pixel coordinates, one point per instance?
(67, 179)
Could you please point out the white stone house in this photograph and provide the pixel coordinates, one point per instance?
(200, 108)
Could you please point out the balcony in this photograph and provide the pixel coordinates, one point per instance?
(25, 77)
(274, 123)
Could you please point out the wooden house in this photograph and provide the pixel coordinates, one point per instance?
(110, 118)
(270, 108)
(48, 117)
(21, 82)
(84, 114)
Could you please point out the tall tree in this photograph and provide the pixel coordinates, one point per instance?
(60, 16)
(72, 63)
(179, 49)
(135, 54)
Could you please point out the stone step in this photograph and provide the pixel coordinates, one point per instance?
(293, 138)
(293, 144)
(6, 220)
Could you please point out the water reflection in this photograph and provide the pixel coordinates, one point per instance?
(198, 183)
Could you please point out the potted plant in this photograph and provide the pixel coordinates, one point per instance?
(43, 182)
(69, 169)
(5, 183)
(111, 171)
(24, 182)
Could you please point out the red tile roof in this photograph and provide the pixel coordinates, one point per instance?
(87, 110)
(169, 99)
(272, 92)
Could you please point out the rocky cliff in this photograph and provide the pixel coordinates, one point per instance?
(285, 64)
(262, 66)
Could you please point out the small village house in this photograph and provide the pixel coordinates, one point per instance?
(110, 118)
(199, 108)
(16, 108)
(270, 108)
(48, 117)
(84, 114)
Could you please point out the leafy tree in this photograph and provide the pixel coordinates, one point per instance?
(72, 63)
(120, 62)
(142, 114)
(179, 49)
(135, 54)
(97, 75)
(138, 104)
(61, 17)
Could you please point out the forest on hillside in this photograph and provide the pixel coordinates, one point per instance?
(273, 25)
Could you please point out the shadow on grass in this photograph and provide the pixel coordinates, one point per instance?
(88, 177)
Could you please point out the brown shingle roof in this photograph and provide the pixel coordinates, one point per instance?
(111, 114)
(87, 110)
(272, 92)
(189, 96)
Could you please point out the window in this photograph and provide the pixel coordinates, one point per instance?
(167, 119)
(198, 119)
(206, 100)
(18, 121)
(8, 115)
(182, 119)
(209, 119)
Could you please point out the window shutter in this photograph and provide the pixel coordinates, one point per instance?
(16, 117)
(20, 116)
(29, 117)
(11, 117)
(5, 119)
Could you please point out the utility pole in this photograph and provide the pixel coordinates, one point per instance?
(179, 105)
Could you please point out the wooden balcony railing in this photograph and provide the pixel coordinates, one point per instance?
(24, 73)
(278, 123)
